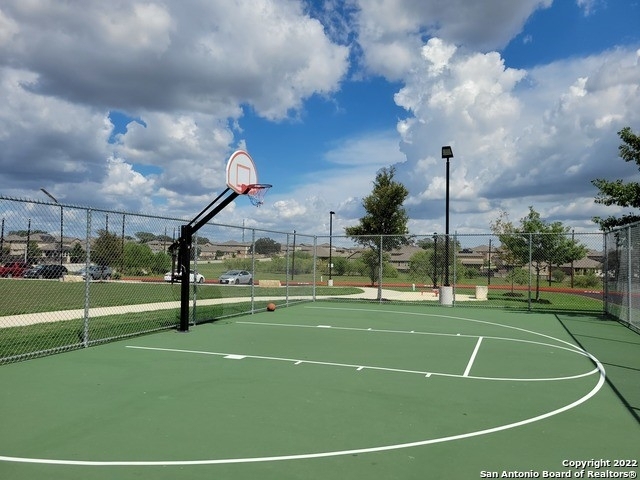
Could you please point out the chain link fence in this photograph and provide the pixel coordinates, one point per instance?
(551, 272)
(622, 274)
(73, 276)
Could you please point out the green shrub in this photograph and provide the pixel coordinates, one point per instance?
(587, 281)
(558, 275)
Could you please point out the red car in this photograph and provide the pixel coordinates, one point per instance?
(14, 269)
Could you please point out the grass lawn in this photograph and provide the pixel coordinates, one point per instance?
(21, 296)
(32, 296)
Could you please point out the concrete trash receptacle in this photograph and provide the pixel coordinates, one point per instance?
(482, 292)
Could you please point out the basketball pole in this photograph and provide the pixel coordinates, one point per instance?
(184, 244)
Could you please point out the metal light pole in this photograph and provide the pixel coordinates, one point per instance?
(61, 219)
(447, 153)
(331, 214)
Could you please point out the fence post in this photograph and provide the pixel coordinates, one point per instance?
(605, 273)
(287, 270)
(315, 264)
(195, 281)
(380, 271)
(530, 266)
(253, 268)
(455, 270)
(629, 275)
(87, 282)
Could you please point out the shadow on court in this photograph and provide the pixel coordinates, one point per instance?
(617, 347)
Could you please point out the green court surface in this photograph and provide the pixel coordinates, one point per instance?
(333, 391)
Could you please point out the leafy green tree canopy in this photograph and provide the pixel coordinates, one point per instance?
(33, 252)
(618, 192)
(384, 225)
(144, 237)
(107, 249)
(24, 233)
(267, 246)
(543, 244)
(385, 216)
(77, 254)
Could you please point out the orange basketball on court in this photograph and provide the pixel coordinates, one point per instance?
(271, 307)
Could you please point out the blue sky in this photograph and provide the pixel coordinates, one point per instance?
(136, 106)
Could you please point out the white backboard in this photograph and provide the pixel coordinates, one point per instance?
(241, 171)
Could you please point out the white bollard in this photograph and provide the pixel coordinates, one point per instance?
(482, 292)
(446, 296)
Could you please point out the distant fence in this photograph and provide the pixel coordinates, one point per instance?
(43, 312)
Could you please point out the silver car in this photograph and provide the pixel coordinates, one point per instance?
(96, 272)
(236, 277)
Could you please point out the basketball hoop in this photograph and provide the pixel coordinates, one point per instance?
(256, 192)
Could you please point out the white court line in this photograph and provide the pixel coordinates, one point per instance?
(570, 348)
(427, 374)
(295, 361)
(324, 454)
(473, 357)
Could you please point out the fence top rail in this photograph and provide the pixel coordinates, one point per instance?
(624, 227)
(280, 232)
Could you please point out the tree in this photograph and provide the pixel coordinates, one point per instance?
(107, 249)
(267, 246)
(138, 258)
(24, 233)
(167, 239)
(77, 254)
(145, 237)
(517, 276)
(504, 227)
(384, 226)
(161, 262)
(617, 192)
(422, 265)
(340, 266)
(540, 243)
(33, 252)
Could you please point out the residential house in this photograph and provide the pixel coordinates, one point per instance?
(49, 246)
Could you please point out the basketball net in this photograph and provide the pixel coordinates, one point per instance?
(256, 193)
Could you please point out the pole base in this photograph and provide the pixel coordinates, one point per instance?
(446, 296)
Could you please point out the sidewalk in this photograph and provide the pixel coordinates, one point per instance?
(368, 293)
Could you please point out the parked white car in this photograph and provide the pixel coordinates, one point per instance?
(194, 277)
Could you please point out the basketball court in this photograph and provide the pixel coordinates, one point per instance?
(318, 390)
